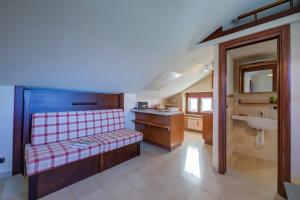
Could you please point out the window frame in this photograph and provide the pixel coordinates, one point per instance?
(199, 96)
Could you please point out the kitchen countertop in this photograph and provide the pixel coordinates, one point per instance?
(156, 112)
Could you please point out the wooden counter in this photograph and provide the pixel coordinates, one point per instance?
(165, 131)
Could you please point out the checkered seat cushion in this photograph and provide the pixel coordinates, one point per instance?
(58, 126)
(51, 155)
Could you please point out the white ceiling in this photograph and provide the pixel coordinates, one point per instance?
(109, 46)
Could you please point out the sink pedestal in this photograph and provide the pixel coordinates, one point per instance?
(260, 137)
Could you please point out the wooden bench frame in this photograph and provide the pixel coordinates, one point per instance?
(52, 180)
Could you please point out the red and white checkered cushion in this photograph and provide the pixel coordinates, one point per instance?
(59, 126)
(48, 156)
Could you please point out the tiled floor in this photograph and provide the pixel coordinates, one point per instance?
(184, 174)
(257, 171)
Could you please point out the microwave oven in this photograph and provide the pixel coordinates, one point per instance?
(142, 105)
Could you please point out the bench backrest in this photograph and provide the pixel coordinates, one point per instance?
(59, 126)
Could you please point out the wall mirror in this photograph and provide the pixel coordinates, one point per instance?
(258, 77)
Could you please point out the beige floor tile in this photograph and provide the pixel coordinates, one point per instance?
(179, 187)
(113, 183)
(266, 195)
(237, 185)
(200, 194)
(128, 166)
(63, 194)
(245, 165)
(231, 194)
(266, 172)
(1, 187)
(14, 186)
(263, 174)
(151, 166)
(212, 186)
(18, 197)
(137, 179)
(155, 191)
(84, 187)
(133, 194)
(98, 194)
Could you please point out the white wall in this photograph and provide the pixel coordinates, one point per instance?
(295, 95)
(129, 103)
(295, 101)
(6, 128)
(216, 107)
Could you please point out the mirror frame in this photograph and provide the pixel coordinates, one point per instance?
(256, 67)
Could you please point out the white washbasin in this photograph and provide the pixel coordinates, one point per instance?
(258, 122)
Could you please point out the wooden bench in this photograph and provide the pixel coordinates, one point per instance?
(54, 122)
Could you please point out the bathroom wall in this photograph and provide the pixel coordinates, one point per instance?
(244, 141)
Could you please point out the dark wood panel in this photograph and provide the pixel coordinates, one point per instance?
(61, 100)
(222, 110)
(60, 177)
(118, 156)
(18, 126)
(284, 110)
(282, 34)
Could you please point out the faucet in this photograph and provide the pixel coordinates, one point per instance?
(262, 113)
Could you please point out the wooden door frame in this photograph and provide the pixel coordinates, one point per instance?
(282, 34)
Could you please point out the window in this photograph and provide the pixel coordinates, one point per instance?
(206, 104)
(197, 103)
(193, 104)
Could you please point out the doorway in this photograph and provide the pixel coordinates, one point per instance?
(282, 35)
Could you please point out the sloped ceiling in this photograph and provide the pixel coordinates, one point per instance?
(109, 46)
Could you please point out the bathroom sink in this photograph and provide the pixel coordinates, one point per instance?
(258, 122)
